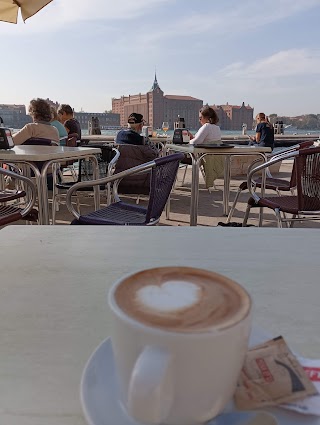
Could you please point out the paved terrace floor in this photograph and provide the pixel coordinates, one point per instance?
(210, 204)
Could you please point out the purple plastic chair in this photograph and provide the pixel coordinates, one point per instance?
(163, 175)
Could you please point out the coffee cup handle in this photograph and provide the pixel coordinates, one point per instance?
(150, 392)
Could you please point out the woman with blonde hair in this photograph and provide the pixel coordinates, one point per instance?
(264, 132)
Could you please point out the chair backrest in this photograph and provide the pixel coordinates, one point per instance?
(131, 156)
(307, 170)
(163, 176)
(302, 145)
(38, 141)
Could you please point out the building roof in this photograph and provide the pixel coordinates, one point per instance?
(228, 106)
(177, 97)
(155, 84)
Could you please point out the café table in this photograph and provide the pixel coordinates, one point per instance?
(45, 156)
(197, 153)
(53, 304)
(97, 138)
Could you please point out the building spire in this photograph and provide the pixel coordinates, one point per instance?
(155, 84)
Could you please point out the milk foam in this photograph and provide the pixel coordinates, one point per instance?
(173, 295)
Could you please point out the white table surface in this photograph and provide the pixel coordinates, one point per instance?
(43, 153)
(236, 150)
(31, 154)
(53, 310)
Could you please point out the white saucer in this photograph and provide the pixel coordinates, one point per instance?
(101, 405)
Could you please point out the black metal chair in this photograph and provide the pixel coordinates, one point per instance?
(278, 185)
(107, 160)
(305, 205)
(163, 174)
(9, 213)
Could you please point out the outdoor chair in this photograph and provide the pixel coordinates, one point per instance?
(305, 205)
(37, 141)
(72, 142)
(271, 183)
(107, 160)
(9, 213)
(163, 174)
(132, 156)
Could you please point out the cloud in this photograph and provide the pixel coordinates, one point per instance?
(60, 13)
(287, 63)
(231, 20)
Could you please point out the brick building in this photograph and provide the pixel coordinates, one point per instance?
(106, 119)
(231, 117)
(157, 107)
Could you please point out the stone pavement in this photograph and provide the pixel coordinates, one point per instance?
(210, 204)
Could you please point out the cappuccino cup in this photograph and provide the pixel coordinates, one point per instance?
(179, 338)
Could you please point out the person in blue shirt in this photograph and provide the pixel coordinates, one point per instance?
(63, 135)
(131, 135)
(264, 132)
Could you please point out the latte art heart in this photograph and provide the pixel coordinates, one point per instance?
(181, 299)
(170, 296)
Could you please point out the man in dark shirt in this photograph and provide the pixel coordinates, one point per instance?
(131, 136)
(65, 114)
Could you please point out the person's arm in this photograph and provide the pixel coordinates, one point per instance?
(257, 137)
(22, 135)
(200, 135)
(190, 135)
(66, 127)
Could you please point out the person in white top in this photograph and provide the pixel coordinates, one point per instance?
(209, 131)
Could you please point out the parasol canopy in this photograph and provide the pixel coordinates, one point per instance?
(9, 9)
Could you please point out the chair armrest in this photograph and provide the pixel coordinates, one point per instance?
(91, 183)
(113, 161)
(29, 183)
(275, 158)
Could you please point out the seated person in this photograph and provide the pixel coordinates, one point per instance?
(63, 135)
(132, 136)
(72, 125)
(134, 152)
(209, 133)
(264, 132)
(40, 128)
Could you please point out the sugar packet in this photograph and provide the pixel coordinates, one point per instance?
(309, 405)
(271, 375)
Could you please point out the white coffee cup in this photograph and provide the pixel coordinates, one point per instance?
(178, 377)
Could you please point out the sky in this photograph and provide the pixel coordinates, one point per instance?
(265, 54)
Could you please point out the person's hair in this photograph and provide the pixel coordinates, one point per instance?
(261, 116)
(54, 113)
(39, 109)
(65, 108)
(209, 113)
